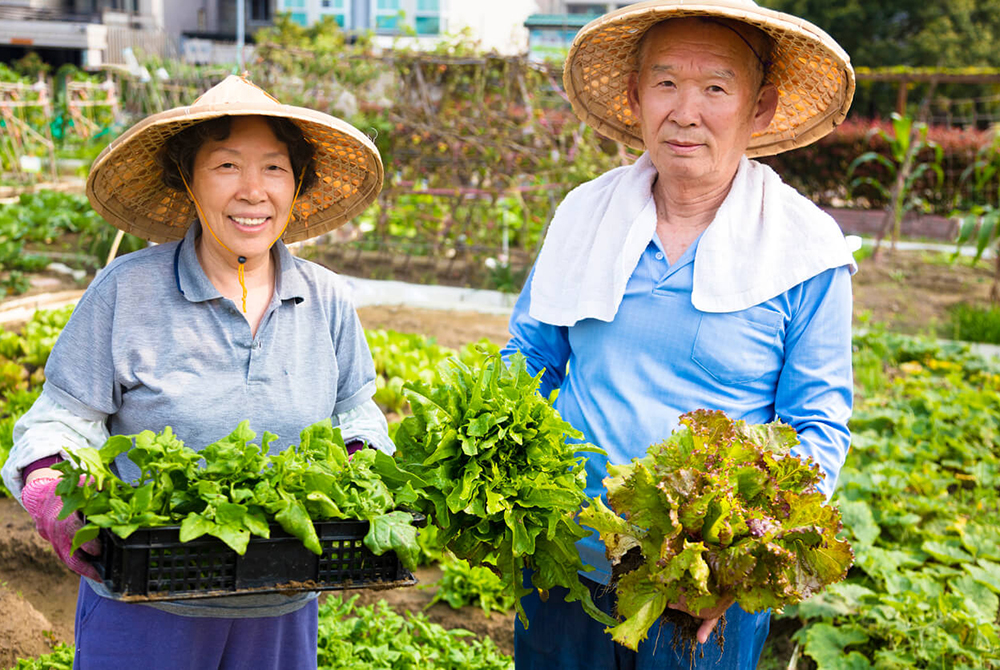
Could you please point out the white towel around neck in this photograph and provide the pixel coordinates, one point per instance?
(765, 239)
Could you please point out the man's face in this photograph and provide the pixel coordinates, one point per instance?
(698, 100)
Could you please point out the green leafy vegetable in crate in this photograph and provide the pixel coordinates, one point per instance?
(490, 461)
(238, 492)
(719, 509)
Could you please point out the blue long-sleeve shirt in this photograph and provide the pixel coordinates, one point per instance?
(624, 384)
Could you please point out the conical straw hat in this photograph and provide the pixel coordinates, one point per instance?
(812, 72)
(125, 185)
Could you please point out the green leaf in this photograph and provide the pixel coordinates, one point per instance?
(949, 552)
(194, 526)
(827, 645)
(295, 520)
(980, 599)
(986, 573)
(394, 532)
(236, 537)
(83, 536)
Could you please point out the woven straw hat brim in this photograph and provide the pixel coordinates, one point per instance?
(812, 73)
(125, 186)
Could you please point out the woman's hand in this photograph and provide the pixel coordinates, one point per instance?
(40, 500)
(710, 615)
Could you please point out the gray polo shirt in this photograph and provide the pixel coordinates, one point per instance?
(152, 343)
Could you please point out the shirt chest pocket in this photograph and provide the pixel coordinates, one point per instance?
(739, 347)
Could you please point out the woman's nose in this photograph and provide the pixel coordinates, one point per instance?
(252, 187)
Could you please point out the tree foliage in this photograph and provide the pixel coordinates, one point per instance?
(901, 32)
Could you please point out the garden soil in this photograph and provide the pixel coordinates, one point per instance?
(909, 291)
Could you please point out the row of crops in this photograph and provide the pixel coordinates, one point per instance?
(920, 498)
(366, 637)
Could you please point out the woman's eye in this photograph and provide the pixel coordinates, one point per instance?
(227, 165)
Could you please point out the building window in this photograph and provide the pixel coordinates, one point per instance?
(422, 16)
(427, 20)
(585, 8)
(338, 9)
(387, 15)
(260, 10)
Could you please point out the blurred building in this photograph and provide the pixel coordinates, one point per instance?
(88, 33)
(552, 28)
(94, 33)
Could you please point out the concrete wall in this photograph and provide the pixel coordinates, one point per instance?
(498, 26)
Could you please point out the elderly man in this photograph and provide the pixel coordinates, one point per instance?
(693, 278)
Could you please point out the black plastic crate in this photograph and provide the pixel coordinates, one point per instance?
(153, 564)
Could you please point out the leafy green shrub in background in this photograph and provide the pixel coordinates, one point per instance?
(39, 221)
(371, 637)
(462, 584)
(22, 361)
(374, 637)
(61, 658)
(920, 499)
(975, 324)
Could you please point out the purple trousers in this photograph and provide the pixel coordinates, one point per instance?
(112, 634)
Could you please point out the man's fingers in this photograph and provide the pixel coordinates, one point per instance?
(705, 629)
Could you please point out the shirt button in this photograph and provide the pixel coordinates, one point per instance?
(659, 255)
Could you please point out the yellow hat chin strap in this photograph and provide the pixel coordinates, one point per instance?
(240, 260)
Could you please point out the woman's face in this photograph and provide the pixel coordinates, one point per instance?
(245, 187)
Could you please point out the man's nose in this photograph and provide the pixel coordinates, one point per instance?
(687, 108)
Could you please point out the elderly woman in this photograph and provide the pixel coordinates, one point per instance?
(218, 324)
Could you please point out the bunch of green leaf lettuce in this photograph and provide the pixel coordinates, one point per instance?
(238, 491)
(490, 462)
(718, 509)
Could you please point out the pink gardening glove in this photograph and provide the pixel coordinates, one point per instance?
(40, 499)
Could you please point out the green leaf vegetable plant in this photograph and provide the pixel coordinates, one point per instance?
(239, 490)
(462, 584)
(498, 471)
(720, 509)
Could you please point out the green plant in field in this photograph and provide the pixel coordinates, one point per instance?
(975, 324)
(61, 658)
(901, 172)
(982, 223)
(374, 637)
(920, 500)
(464, 585)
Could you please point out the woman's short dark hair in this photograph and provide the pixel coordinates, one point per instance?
(179, 151)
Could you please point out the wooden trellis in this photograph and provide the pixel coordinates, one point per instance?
(17, 100)
(84, 98)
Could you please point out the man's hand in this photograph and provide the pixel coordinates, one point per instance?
(40, 500)
(710, 615)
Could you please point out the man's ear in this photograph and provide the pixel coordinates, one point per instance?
(632, 92)
(767, 104)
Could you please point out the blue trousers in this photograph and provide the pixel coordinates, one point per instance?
(561, 636)
(112, 634)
